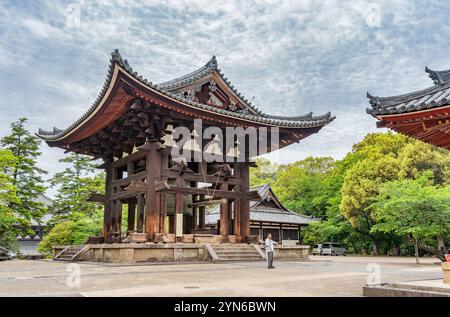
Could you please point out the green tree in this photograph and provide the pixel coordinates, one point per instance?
(8, 197)
(382, 158)
(25, 174)
(333, 225)
(263, 173)
(300, 185)
(416, 210)
(72, 232)
(75, 184)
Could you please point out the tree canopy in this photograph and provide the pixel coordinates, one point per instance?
(346, 194)
(75, 184)
(25, 175)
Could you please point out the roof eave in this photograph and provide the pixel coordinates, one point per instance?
(121, 65)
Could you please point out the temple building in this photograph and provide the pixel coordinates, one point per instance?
(267, 215)
(135, 127)
(423, 114)
(28, 240)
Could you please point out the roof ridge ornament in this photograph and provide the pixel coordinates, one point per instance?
(212, 63)
(116, 57)
(435, 76)
(373, 100)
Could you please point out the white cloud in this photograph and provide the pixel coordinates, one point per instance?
(293, 56)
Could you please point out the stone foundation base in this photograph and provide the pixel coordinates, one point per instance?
(291, 252)
(171, 252)
(142, 252)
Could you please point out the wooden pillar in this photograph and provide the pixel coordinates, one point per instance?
(153, 199)
(118, 220)
(162, 220)
(201, 214)
(179, 212)
(299, 232)
(131, 217)
(281, 233)
(195, 212)
(237, 220)
(140, 213)
(113, 220)
(245, 203)
(224, 217)
(130, 168)
(107, 204)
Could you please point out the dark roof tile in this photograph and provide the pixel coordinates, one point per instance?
(431, 97)
(257, 116)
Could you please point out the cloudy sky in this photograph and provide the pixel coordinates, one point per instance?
(292, 57)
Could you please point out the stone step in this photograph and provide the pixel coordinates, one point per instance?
(63, 259)
(236, 252)
(227, 256)
(237, 259)
(72, 252)
(222, 252)
(68, 254)
(246, 247)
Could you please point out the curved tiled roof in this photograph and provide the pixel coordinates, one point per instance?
(431, 97)
(263, 213)
(306, 121)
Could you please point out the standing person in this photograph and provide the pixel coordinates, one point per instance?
(269, 250)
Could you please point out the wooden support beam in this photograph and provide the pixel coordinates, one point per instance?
(107, 203)
(113, 220)
(208, 202)
(118, 222)
(127, 194)
(201, 214)
(245, 204)
(163, 212)
(96, 198)
(195, 199)
(140, 213)
(179, 211)
(224, 230)
(131, 217)
(153, 198)
(163, 186)
(198, 177)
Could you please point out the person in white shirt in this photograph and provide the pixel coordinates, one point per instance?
(269, 250)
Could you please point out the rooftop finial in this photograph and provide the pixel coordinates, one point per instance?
(212, 63)
(116, 56)
(435, 76)
(374, 101)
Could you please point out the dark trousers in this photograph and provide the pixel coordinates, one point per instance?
(269, 258)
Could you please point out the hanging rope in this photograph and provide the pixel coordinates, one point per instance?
(217, 180)
(204, 177)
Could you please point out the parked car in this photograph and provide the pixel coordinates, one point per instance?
(6, 255)
(332, 248)
(317, 249)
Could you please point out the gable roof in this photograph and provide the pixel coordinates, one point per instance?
(262, 213)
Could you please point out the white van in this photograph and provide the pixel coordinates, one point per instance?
(332, 248)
